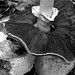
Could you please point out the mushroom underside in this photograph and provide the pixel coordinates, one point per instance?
(39, 43)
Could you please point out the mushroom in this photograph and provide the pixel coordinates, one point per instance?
(40, 43)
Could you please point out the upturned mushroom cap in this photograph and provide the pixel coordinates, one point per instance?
(38, 42)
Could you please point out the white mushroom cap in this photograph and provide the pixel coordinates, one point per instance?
(22, 65)
(2, 37)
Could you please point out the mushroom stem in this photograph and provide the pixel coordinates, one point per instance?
(46, 7)
(43, 24)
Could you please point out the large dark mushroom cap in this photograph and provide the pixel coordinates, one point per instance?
(58, 41)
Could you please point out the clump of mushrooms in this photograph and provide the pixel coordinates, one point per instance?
(45, 65)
